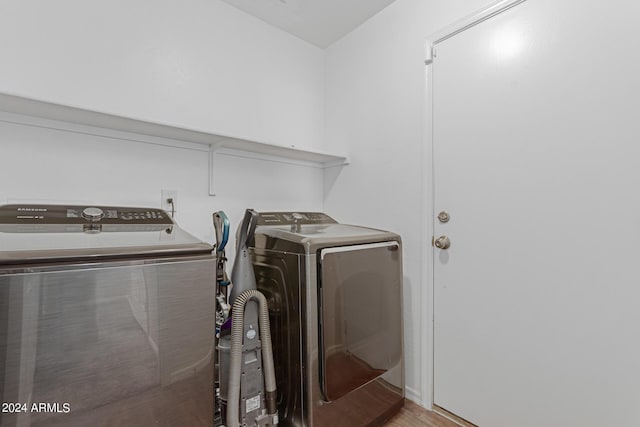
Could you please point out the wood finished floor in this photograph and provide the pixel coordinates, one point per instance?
(413, 415)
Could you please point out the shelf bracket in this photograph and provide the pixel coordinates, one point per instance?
(213, 166)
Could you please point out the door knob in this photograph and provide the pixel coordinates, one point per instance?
(442, 242)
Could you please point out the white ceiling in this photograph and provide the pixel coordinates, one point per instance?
(320, 22)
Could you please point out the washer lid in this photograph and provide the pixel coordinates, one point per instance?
(45, 233)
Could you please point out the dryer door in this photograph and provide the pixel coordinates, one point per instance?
(360, 294)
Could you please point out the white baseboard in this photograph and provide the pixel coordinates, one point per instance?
(414, 396)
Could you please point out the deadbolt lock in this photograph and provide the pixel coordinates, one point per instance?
(444, 217)
(442, 242)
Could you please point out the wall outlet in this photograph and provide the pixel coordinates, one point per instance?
(166, 199)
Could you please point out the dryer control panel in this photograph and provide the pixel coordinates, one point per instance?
(294, 218)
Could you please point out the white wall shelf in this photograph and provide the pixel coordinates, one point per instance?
(33, 112)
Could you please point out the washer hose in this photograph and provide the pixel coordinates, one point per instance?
(237, 335)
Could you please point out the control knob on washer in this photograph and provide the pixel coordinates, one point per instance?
(93, 214)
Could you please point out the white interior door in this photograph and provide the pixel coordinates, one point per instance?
(536, 115)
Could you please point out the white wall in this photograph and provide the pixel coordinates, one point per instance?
(195, 63)
(376, 86)
(44, 165)
(198, 63)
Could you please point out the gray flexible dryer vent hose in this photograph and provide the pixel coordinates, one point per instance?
(237, 336)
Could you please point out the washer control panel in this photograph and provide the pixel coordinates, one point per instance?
(114, 215)
(294, 218)
(88, 218)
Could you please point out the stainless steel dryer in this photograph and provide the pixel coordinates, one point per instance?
(335, 301)
(106, 318)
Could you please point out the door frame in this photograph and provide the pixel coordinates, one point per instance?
(428, 185)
